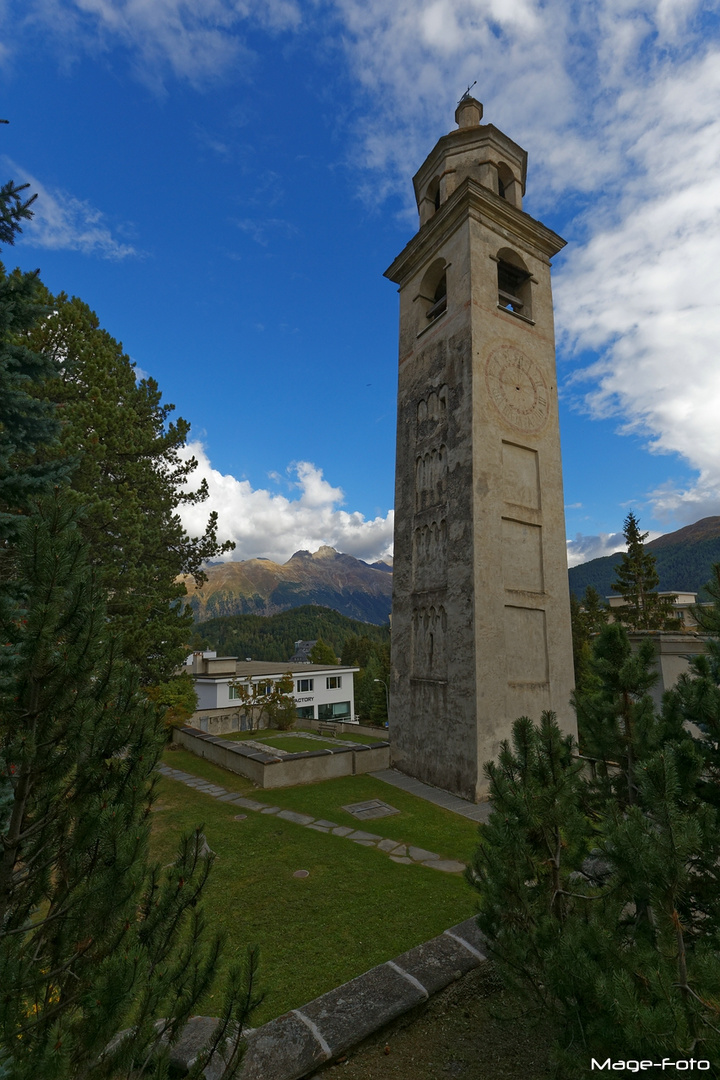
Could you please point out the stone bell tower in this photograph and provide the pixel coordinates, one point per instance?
(481, 615)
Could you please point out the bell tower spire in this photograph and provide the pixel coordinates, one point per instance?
(481, 618)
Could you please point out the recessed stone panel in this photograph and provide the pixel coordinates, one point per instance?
(374, 808)
(429, 658)
(521, 481)
(430, 555)
(526, 645)
(522, 556)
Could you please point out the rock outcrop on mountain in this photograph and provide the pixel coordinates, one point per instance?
(325, 577)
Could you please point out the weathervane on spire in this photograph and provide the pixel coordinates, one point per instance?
(467, 92)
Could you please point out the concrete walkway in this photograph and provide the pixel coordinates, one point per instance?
(479, 812)
(398, 851)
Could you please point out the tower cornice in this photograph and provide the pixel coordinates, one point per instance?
(473, 200)
(465, 139)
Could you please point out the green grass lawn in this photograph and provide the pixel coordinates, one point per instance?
(355, 910)
(295, 744)
(267, 734)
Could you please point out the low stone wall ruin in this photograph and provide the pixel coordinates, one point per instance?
(267, 770)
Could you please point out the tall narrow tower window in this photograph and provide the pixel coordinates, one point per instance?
(432, 294)
(505, 182)
(439, 303)
(514, 289)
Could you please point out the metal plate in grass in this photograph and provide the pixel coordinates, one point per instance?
(373, 808)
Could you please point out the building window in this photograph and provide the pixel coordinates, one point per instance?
(304, 685)
(432, 295)
(264, 688)
(333, 682)
(439, 302)
(234, 693)
(513, 278)
(336, 710)
(306, 712)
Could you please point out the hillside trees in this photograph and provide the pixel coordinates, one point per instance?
(129, 476)
(373, 659)
(637, 581)
(273, 637)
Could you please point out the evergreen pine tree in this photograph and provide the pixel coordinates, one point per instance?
(707, 617)
(322, 653)
(27, 420)
(604, 915)
(94, 940)
(130, 477)
(616, 718)
(637, 581)
(587, 618)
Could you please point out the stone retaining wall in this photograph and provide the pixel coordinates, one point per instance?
(301, 1042)
(268, 771)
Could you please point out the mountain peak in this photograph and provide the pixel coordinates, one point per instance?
(325, 552)
(325, 577)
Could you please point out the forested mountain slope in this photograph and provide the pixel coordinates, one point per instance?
(684, 561)
(274, 637)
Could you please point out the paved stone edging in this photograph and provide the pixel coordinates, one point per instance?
(396, 849)
(479, 812)
(304, 1040)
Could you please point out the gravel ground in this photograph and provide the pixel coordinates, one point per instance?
(458, 1036)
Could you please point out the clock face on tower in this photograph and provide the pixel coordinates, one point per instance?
(517, 389)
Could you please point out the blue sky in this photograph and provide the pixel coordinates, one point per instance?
(225, 183)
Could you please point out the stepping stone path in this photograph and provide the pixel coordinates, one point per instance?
(406, 854)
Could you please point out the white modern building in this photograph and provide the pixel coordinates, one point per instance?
(230, 691)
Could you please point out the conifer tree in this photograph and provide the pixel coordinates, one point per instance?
(637, 581)
(604, 915)
(129, 475)
(707, 617)
(616, 718)
(587, 618)
(27, 420)
(322, 653)
(94, 940)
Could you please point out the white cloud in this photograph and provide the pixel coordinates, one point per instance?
(197, 42)
(617, 103)
(64, 223)
(584, 548)
(272, 525)
(644, 291)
